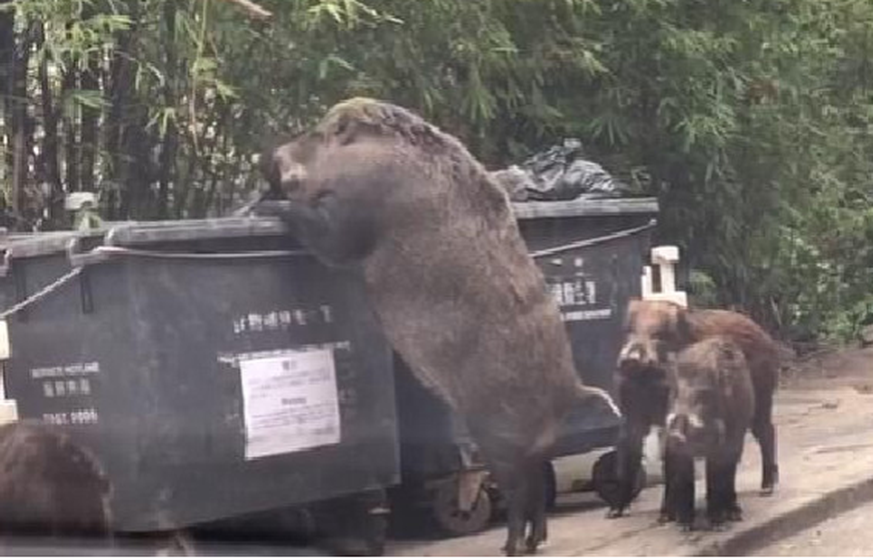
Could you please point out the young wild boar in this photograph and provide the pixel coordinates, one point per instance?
(642, 392)
(657, 330)
(376, 188)
(49, 486)
(711, 407)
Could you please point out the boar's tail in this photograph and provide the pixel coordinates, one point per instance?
(585, 393)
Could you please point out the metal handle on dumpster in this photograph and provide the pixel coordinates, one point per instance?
(592, 241)
(103, 252)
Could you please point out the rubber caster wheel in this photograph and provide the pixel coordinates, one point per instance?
(456, 523)
(605, 481)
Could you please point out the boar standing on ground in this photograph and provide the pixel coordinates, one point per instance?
(49, 486)
(711, 407)
(657, 330)
(642, 392)
(376, 187)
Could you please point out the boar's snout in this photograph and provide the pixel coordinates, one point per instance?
(677, 428)
(637, 354)
(691, 430)
(283, 170)
(291, 177)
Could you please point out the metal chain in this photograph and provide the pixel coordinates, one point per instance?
(41, 293)
(46, 291)
(592, 241)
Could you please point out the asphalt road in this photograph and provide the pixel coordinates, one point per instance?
(848, 534)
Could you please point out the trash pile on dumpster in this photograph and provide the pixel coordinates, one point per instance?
(559, 173)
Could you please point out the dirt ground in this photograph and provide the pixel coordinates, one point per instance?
(824, 414)
(830, 368)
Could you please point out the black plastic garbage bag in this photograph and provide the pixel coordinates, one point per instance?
(559, 173)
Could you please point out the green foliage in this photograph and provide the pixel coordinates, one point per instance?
(750, 120)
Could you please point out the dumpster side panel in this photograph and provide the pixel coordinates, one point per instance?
(158, 344)
(56, 371)
(592, 286)
(208, 318)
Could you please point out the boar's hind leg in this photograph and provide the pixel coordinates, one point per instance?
(536, 504)
(513, 482)
(522, 483)
(765, 433)
(630, 457)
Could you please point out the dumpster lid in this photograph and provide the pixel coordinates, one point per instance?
(142, 233)
(20, 245)
(582, 207)
(40, 243)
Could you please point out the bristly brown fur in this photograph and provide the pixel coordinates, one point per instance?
(49, 485)
(712, 383)
(377, 188)
(657, 330)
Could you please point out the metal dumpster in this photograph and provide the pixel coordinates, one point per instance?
(215, 368)
(592, 255)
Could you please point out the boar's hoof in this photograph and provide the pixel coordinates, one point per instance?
(769, 480)
(718, 519)
(685, 521)
(666, 517)
(735, 513)
(616, 512)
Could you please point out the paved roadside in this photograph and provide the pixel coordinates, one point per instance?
(825, 423)
(844, 535)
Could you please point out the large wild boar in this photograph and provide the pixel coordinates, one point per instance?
(657, 330)
(711, 407)
(49, 486)
(377, 188)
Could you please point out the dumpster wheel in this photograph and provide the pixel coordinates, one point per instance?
(605, 481)
(452, 521)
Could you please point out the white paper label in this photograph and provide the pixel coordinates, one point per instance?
(290, 402)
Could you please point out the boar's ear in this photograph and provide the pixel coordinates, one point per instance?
(349, 128)
(268, 167)
(730, 360)
(346, 130)
(630, 316)
(683, 327)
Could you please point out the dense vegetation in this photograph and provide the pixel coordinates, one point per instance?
(751, 120)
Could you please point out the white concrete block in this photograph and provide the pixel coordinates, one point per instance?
(665, 254)
(4, 341)
(77, 200)
(8, 412)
